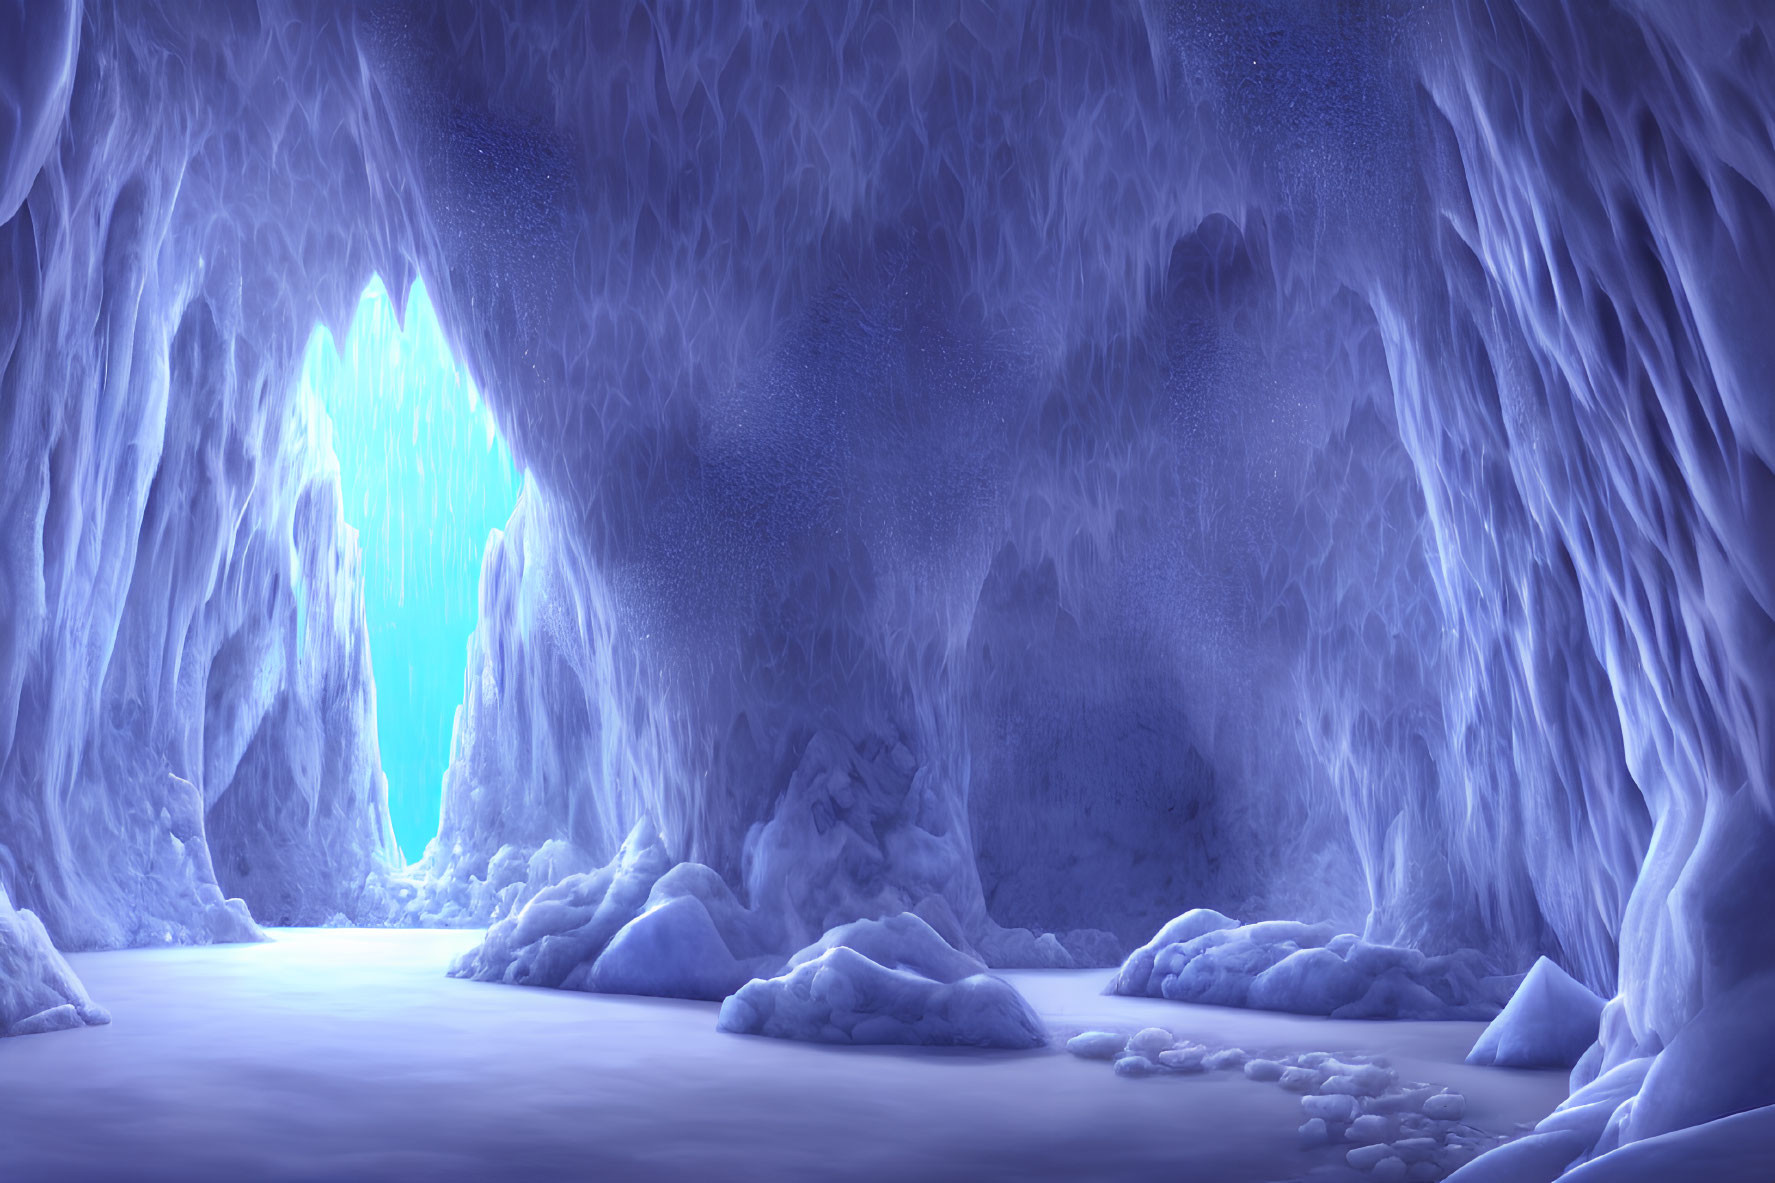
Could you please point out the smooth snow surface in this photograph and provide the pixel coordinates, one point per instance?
(347, 1054)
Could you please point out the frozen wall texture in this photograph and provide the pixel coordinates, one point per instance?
(1075, 463)
(167, 738)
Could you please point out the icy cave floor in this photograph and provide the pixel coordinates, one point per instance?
(347, 1054)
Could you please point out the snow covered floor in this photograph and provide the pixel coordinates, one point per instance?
(347, 1054)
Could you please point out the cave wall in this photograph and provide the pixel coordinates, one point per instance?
(185, 702)
(1081, 462)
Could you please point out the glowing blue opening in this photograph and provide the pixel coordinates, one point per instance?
(425, 476)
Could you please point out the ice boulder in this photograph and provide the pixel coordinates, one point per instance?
(1309, 969)
(1136, 971)
(1548, 1023)
(640, 925)
(38, 989)
(892, 981)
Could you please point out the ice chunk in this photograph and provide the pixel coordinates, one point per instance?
(1390, 1170)
(1334, 1108)
(1446, 1107)
(1264, 1070)
(1301, 1080)
(1135, 1066)
(1370, 1127)
(38, 989)
(1184, 1059)
(1097, 1045)
(1313, 1133)
(1416, 1149)
(1549, 1023)
(1364, 1158)
(1150, 1041)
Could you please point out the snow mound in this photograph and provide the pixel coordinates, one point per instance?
(1717, 1066)
(892, 981)
(1733, 1149)
(1548, 1023)
(1309, 969)
(640, 925)
(38, 989)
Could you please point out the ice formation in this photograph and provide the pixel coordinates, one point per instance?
(1311, 969)
(1550, 1022)
(640, 925)
(1036, 467)
(885, 981)
(38, 991)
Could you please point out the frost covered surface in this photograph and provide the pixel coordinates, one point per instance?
(1309, 969)
(1025, 466)
(892, 981)
(38, 991)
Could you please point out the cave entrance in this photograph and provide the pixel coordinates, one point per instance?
(424, 477)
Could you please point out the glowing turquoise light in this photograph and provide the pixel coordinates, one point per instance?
(425, 477)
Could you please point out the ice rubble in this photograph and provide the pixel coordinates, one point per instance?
(1400, 1130)
(1550, 1022)
(889, 981)
(38, 990)
(1309, 969)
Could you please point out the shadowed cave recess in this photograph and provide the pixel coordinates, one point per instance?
(1045, 468)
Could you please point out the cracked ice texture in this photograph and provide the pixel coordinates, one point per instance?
(1280, 459)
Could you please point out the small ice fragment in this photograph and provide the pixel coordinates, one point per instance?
(1135, 1066)
(1332, 1108)
(1363, 1158)
(1445, 1107)
(1150, 1042)
(1390, 1170)
(1369, 1128)
(1097, 1045)
(1300, 1080)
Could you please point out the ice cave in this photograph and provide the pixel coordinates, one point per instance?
(794, 590)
